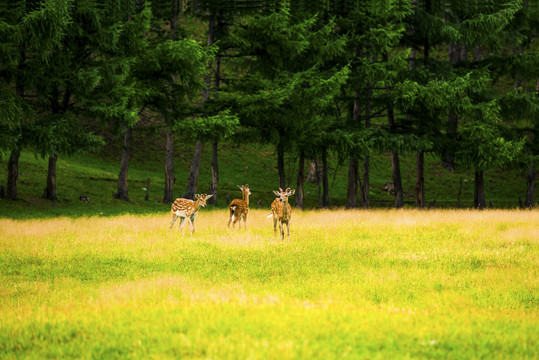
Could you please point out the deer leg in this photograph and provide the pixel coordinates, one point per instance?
(229, 221)
(275, 225)
(288, 229)
(231, 216)
(191, 225)
(182, 221)
(235, 221)
(174, 218)
(245, 222)
(193, 218)
(281, 229)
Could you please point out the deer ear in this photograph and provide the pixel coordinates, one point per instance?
(277, 193)
(240, 187)
(292, 192)
(281, 190)
(208, 196)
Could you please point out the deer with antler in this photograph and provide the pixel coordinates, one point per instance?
(282, 211)
(239, 208)
(187, 209)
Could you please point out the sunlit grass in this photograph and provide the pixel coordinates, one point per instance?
(357, 284)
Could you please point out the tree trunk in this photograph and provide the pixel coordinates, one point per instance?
(325, 181)
(174, 20)
(479, 190)
(455, 55)
(50, 190)
(365, 198)
(420, 180)
(192, 182)
(13, 174)
(420, 159)
(530, 188)
(13, 162)
(214, 172)
(299, 190)
(212, 27)
(124, 167)
(168, 196)
(353, 176)
(280, 163)
(319, 183)
(395, 164)
(353, 167)
(396, 174)
(366, 162)
(459, 193)
(169, 167)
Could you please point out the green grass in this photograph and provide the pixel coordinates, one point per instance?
(348, 284)
(96, 176)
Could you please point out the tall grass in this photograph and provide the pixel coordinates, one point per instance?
(349, 284)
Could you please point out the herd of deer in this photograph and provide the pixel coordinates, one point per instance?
(281, 211)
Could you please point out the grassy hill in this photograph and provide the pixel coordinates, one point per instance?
(95, 175)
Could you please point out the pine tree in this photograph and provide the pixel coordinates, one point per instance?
(465, 27)
(86, 76)
(372, 30)
(287, 90)
(29, 32)
(520, 107)
(218, 15)
(172, 71)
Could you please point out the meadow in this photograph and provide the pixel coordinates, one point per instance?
(448, 284)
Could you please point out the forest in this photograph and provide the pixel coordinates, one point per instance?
(317, 80)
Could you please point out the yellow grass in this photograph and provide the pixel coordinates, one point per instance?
(461, 283)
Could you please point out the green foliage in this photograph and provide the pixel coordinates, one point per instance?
(220, 126)
(482, 145)
(171, 73)
(290, 89)
(43, 30)
(293, 73)
(62, 134)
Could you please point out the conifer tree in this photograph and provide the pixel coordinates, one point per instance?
(30, 31)
(520, 107)
(465, 27)
(372, 30)
(172, 71)
(83, 75)
(485, 24)
(286, 90)
(219, 15)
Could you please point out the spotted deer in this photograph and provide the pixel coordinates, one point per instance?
(187, 209)
(282, 211)
(239, 208)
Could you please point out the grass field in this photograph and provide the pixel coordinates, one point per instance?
(349, 284)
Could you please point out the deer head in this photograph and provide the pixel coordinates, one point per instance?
(283, 195)
(202, 199)
(244, 190)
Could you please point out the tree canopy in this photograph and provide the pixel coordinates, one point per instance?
(456, 79)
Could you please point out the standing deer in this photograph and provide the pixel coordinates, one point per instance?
(282, 211)
(187, 209)
(239, 208)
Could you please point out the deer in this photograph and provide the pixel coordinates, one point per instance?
(239, 209)
(281, 211)
(187, 209)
